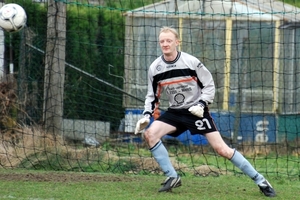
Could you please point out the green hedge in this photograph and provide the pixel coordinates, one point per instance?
(95, 39)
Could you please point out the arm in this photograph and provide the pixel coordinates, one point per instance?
(150, 103)
(206, 83)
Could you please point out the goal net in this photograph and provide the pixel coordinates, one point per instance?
(79, 82)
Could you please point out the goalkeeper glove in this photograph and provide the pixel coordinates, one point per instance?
(142, 124)
(198, 109)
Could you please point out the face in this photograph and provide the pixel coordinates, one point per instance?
(168, 43)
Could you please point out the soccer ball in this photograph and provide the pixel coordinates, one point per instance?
(12, 17)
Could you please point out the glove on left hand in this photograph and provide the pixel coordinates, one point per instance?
(198, 109)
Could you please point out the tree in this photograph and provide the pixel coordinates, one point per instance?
(54, 67)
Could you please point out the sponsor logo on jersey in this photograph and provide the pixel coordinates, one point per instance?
(170, 66)
(158, 67)
(179, 98)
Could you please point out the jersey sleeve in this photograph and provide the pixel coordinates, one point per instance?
(151, 101)
(207, 83)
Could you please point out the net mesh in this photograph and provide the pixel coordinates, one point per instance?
(73, 84)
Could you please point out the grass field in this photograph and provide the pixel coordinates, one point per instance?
(124, 171)
(105, 169)
(38, 185)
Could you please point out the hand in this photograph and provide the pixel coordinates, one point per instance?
(142, 124)
(197, 110)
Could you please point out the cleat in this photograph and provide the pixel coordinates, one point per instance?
(169, 183)
(267, 189)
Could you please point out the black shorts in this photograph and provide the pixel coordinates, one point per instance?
(183, 120)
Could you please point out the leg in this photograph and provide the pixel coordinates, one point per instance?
(156, 131)
(218, 144)
(153, 137)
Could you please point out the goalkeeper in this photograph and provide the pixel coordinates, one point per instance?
(190, 89)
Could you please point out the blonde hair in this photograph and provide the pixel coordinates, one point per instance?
(169, 29)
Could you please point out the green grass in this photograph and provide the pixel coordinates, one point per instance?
(114, 187)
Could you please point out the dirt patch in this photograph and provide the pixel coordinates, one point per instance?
(63, 177)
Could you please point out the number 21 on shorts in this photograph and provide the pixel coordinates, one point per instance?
(200, 124)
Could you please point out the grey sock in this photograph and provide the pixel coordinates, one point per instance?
(161, 156)
(240, 161)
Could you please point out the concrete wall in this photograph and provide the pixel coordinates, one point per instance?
(79, 129)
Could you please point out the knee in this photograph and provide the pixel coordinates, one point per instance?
(150, 137)
(225, 152)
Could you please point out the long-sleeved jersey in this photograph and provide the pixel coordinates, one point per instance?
(185, 81)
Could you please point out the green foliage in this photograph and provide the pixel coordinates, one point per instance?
(130, 4)
(96, 40)
(29, 63)
(37, 22)
(95, 45)
(292, 2)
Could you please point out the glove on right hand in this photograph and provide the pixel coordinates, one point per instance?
(142, 124)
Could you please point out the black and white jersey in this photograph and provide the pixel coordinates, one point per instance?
(185, 81)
